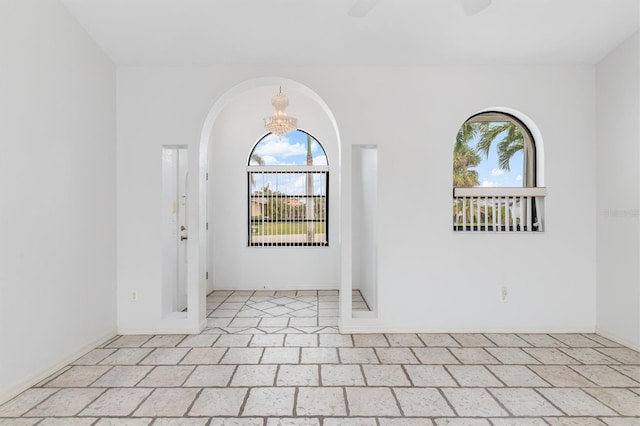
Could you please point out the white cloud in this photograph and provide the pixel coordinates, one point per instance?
(319, 185)
(320, 160)
(299, 186)
(519, 178)
(488, 184)
(276, 147)
(269, 160)
(497, 172)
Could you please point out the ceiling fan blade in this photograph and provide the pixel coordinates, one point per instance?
(361, 8)
(472, 7)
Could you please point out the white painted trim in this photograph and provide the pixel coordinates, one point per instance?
(279, 287)
(197, 282)
(178, 329)
(364, 314)
(535, 133)
(613, 337)
(39, 376)
(203, 325)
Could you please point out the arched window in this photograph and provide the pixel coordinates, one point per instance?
(288, 180)
(494, 176)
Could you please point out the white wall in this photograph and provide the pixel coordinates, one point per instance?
(618, 189)
(428, 278)
(57, 180)
(364, 223)
(152, 112)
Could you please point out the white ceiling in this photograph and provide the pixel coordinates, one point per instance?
(395, 32)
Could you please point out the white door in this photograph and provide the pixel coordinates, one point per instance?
(183, 231)
(174, 228)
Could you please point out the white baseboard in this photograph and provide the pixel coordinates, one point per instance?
(174, 323)
(364, 314)
(188, 329)
(279, 287)
(614, 337)
(37, 377)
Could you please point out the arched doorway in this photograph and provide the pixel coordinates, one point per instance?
(228, 134)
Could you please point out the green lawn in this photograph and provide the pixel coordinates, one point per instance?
(284, 228)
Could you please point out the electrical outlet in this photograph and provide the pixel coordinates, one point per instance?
(134, 296)
(503, 294)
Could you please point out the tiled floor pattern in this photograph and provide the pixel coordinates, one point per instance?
(276, 358)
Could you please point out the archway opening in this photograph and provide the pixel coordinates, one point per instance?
(227, 261)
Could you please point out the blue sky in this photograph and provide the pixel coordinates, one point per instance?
(490, 174)
(290, 149)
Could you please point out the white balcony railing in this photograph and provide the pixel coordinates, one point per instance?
(498, 209)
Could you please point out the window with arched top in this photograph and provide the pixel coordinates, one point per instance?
(494, 176)
(288, 180)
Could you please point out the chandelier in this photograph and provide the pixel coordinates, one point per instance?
(280, 123)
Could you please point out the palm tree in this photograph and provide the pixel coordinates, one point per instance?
(509, 139)
(465, 157)
(311, 226)
(255, 160)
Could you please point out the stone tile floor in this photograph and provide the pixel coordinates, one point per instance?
(276, 358)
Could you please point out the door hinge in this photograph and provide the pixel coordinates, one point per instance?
(207, 226)
(207, 275)
(207, 176)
